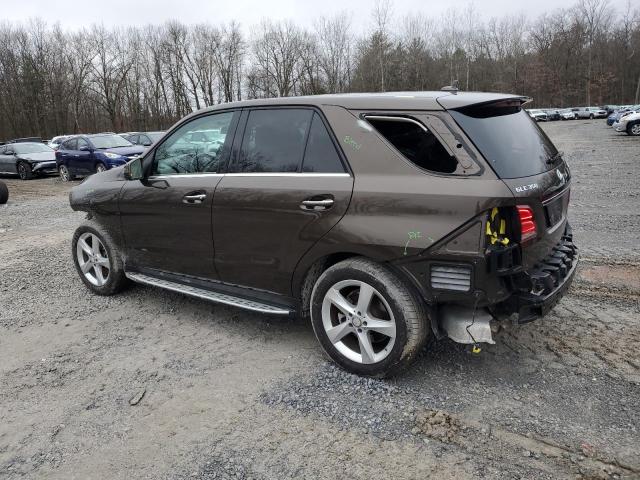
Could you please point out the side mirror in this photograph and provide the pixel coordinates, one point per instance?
(9, 152)
(84, 148)
(146, 144)
(133, 169)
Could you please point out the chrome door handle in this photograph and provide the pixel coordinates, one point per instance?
(316, 204)
(196, 198)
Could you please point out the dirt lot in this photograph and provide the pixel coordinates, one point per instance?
(222, 393)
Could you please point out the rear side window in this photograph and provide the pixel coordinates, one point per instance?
(416, 143)
(320, 155)
(69, 144)
(274, 140)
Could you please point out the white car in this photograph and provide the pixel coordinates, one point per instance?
(56, 141)
(538, 115)
(629, 123)
(568, 114)
(590, 112)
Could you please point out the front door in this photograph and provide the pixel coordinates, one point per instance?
(82, 158)
(7, 162)
(166, 217)
(287, 186)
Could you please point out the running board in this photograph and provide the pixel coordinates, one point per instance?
(207, 294)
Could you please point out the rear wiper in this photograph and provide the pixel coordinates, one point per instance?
(555, 157)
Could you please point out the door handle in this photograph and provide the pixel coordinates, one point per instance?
(323, 204)
(194, 198)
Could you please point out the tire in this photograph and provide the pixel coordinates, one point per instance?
(100, 167)
(24, 171)
(393, 304)
(100, 264)
(4, 193)
(633, 129)
(65, 175)
(591, 116)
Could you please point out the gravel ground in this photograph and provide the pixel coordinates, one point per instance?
(150, 384)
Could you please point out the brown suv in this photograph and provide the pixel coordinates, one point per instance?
(385, 218)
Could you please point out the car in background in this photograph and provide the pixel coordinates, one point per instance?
(26, 140)
(617, 115)
(56, 141)
(27, 159)
(538, 115)
(590, 112)
(552, 114)
(83, 155)
(568, 114)
(629, 123)
(146, 139)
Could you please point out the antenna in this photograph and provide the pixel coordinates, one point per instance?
(453, 88)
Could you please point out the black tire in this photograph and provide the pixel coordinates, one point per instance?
(24, 170)
(633, 129)
(65, 174)
(116, 279)
(591, 116)
(4, 193)
(411, 322)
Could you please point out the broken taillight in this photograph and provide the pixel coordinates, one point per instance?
(527, 223)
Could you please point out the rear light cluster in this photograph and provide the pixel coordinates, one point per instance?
(527, 223)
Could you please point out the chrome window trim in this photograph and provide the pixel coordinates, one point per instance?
(397, 119)
(249, 174)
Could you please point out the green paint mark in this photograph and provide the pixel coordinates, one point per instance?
(352, 143)
(412, 236)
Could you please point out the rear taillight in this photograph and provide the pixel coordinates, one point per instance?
(527, 223)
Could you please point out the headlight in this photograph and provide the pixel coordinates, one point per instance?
(112, 155)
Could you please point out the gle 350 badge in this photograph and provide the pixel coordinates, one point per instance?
(526, 188)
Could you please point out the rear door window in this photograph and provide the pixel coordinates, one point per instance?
(321, 155)
(511, 141)
(274, 140)
(415, 142)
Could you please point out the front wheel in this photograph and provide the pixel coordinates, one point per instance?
(97, 260)
(367, 319)
(100, 168)
(633, 129)
(24, 171)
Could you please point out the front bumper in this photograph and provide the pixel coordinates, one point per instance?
(620, 127)
(44, 167)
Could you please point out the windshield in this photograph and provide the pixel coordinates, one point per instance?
(22, 148)
(109, 141)
(155, 136)
(508, 138)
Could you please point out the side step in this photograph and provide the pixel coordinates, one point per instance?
(207, 294)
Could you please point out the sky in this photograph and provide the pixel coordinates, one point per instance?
(73, 13)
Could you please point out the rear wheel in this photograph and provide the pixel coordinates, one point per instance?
(591, 116)
(24, 171)
(633, 129)
(100, 168)
(65, 174)
(367, 319)
(98, 260)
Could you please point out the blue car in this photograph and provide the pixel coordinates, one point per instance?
(83, 155)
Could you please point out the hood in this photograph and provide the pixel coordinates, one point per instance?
(125, 151)
(38, 157)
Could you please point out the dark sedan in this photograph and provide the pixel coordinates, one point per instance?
(27, 159)
(83, 155)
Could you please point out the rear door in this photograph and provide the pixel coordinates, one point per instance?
(7, 162)
(166, 217)
(287, 186)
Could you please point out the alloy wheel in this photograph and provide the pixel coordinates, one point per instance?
(64, 173)
(635, 129)
(358, 321)
(100, 168)
(93, 259)
(22, 171)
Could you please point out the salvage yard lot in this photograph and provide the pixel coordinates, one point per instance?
(151, 384)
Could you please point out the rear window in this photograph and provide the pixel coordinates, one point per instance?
(508, 138)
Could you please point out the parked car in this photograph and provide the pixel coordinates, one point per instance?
(56, 141)
(146, 139)
(347, 209)
(83, 155)
(568, 114)
(552, 115)
(538, 115)
(615, 116)
(26, 140)
(590, 112)
(629, 123)
(27, 159)
(4, 193)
